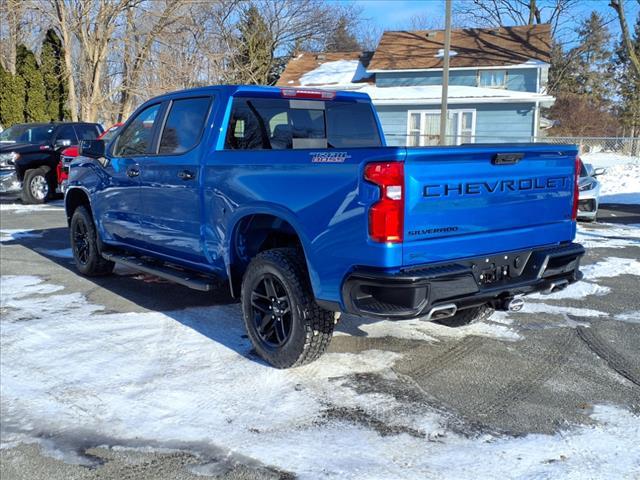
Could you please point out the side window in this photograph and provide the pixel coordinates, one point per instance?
(492, 78)
(66, 132)
(184, 125)
(87, 132)
(136, 138)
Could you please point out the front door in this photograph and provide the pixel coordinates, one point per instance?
(117, 204)
(170, 182)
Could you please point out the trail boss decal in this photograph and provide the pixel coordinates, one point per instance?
(497, 186)
(329, 157)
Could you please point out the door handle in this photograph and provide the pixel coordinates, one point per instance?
(133, 172)
(186, 175)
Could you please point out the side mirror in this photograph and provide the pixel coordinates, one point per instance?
(62, 143)
(589, 169)
(92, 148)
(599, 171)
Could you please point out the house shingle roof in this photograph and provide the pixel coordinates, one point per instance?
(308, 61)
(474, 47)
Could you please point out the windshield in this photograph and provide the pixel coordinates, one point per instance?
(583, 170)
(25, 133)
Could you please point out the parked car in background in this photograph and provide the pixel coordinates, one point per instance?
(30, 153)
(291, 198)
(589, 192)
(68, 154)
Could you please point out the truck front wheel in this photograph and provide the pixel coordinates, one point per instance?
(38, 185)
(84, 244)
(283, 321)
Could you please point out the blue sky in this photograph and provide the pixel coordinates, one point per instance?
(395, 14)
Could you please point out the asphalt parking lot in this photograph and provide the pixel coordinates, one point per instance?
(131, 377)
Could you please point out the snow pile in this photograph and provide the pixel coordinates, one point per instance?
(433, 93)
(613, 236)
(21, 208)
(340, 72)
(416, 329)
(608, 159)
(14, 234)
(611, 267)
(621, 184)
(189, 376)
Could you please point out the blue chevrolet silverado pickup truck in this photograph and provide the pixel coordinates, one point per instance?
(291, 198)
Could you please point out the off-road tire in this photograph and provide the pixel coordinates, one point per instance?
(311, 325)
(90, 262)
(43, 176)
(467, 316)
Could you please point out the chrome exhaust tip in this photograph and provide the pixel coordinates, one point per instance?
(515, 304)
(556, 285)
(441, 311)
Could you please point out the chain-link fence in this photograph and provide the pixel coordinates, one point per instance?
(626, 148)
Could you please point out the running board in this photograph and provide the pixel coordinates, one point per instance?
(174, 275)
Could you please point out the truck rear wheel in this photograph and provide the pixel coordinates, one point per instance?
(38, 185)
(283, 321)
(467, 316)
(84, 244)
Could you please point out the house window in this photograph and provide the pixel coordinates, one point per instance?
(423, 127)
(492, 78)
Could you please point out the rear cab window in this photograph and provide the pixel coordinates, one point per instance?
(87, 131)
(66, 132)
(285, 124)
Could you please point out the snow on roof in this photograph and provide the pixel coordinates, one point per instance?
(340, 72)
(431, 94)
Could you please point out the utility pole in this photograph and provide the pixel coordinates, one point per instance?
(445, 73)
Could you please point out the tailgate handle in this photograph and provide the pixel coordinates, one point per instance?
(507, 158)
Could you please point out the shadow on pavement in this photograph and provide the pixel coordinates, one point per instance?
(150, 293)
(619, 213)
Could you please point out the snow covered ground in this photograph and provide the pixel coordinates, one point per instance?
(68, 367)
(77, 370)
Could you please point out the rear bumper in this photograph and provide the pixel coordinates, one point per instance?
(413, 292)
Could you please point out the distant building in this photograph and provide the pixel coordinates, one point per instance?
(497, 82)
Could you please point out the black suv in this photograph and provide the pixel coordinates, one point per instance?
(30, 153)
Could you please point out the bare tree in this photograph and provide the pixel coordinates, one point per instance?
(499, 13)
(86, 28)
(618, 6)
(144, 26)
(12, 22)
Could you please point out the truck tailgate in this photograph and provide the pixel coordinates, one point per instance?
(472, 200)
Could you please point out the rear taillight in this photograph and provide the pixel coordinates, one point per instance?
(576, 194)
(386, 216)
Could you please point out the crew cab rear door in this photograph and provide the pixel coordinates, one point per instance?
(470, 200)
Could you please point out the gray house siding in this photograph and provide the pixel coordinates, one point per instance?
(503, 122)
(394, 123)
(519, 79)
(467, 78)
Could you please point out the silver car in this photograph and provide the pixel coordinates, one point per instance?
(589, 192)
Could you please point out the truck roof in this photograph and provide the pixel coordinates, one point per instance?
(260, 91)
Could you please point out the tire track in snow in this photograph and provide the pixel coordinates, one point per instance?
(616, 361)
